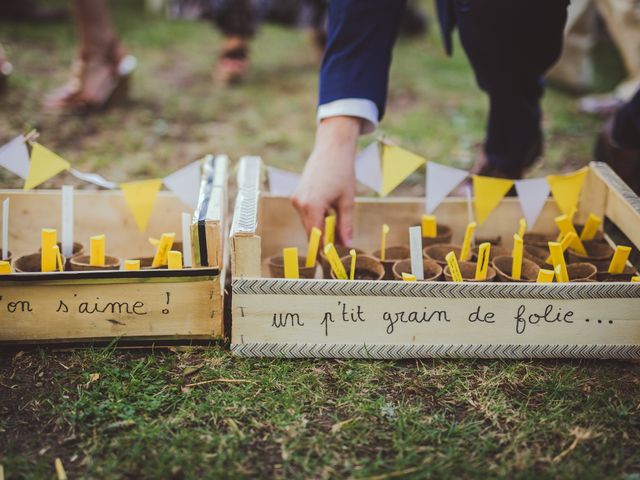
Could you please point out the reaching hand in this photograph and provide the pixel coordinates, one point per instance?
(329, 178)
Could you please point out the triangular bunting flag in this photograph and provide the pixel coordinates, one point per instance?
(566, 189)
(397, 164)
(14, 156)
(141, 196)
(369, 167)
(533, 194)
(282, 182)
(488, 193)
(185, 183)
(44, 165)
(441, 180)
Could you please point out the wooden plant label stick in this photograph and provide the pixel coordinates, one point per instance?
(290, 255)
(590, 227)
(329, 229)
(352, 269)
(334, 260)
(59, 263)
(187, 256)
(5, 229)
(166, 242)
(516, 265)
(567, 241)
(454, 268)
(466, 243)
(545, 276)
(619, 259)
(5, 267)
(174, 260)
(484, 252)
(564, 224)
(557, 257)
(415, 247)
(47, 253)
(383, 242)
(312, 249)
(96, 250)
(60, 473)
(635, 279)
(132, 264)
(67, 221)
(429, 226)
(522, 227)
(407, 277)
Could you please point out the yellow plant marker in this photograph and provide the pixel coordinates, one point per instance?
(454, 268)
(429, 226)
(166, 242)
(522, 227)
(5, 267)
(352, 270)
(572, 214)
(516, 265)
(383, 242)
(564, 224)
(174, 260)
(545, 276)
(132, 265)
(466, 244)
(334, 260)
(565, 243)
(619, 259)
(329, 229)
(407, 277)
(290, 255)
(154, 241)
(59, 264)
(559, 266)
(635, 279)
(49, 238)
(590, 227)
(484, 251)
(312, 249)
(96, 250)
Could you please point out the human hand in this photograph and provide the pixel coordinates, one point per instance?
(329, 179)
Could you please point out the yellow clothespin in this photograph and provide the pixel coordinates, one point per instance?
(383, 242)
(522, 227)
(290, 255)
(312, 249)
(545, 276)
(49, 238)
(352, 270)
(5, 267)
(454, 268)
(564, 224)
(429, 226)
(516, 265)
(329, 229)
(407, 277)
(565, 243)
(484, 251)
(466, 244)
(96, 250)
(59, 264)
(559, 266)
(132, 265)
(166, 242)
(174, 260)
(619, 259)
(334, 260)
(590, 227)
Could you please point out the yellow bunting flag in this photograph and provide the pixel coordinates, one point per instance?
(352, 269)
(334, 260)
(454, 268)
(619, 259)
(44, 165)
(545, 276)
(590, 227)
(566, 189)
(291, 269)
(312, 249)
(484, 251)
(383, 242)
(429, 226)
(5, 267)
(397, 164)
(489, 192)
(141, 197)
(132, 265)
(174, 260)
(516, 261)
(465, 251)
(407, 277)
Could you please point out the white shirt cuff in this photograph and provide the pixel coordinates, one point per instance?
(352, 107)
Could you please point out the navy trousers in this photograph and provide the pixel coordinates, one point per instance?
(510, 45)
(626, 128)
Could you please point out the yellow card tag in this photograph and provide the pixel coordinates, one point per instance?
(334, 260)
(132, 264)
(454, 268)
(619, 259)
(352, 270)
(516, 265)
(559, 265)
(166, 242)
(96, 250)
(5, 267)
(407, 277)
(429, 226)
(466, 244)
(290, 255)
(59, 264)
(383, 242)
(174, 260)
(312, 249)
(566, 242)
(635, 278)
(522, 227)
(329, 229)
(484, 251)
(47, 253)
(545, 276)
(591, 227)
(566, 227)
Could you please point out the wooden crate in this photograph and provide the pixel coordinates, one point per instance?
(388, 319)
(97, 306)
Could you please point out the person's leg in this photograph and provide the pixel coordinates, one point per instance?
(626, 128)
(511, 44)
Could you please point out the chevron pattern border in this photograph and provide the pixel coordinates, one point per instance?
(397, 352)
(572, 291)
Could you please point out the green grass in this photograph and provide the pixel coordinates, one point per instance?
(290, 419)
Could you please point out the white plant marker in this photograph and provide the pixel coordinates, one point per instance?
(415, 245)
(186, 240)
(5, 229)
(67, 221)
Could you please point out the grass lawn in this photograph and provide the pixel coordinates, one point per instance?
(191, 413)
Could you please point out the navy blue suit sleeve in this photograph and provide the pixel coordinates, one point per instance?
(361, 34)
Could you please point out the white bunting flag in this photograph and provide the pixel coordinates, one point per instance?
(441, 180)
(14, 156)
(533, 194)
(94, 178)
(369, 167)
(282, 182)
(185, 183)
